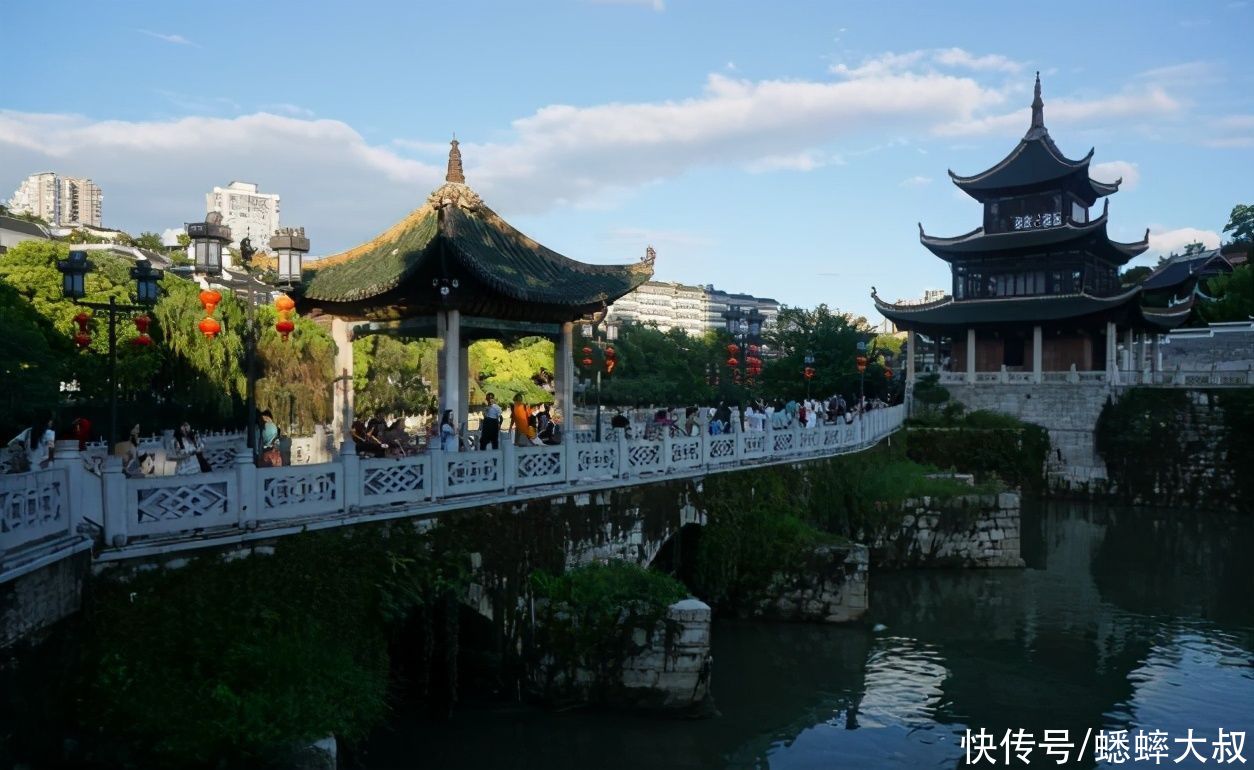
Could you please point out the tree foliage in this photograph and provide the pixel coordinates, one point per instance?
(1234, 296)
(832, 339)
(1241, 223)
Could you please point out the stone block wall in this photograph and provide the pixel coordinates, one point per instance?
(33, 602)
(831, 588)
(1068, 411)
(968, 531)
(673, 670)
(1230, 349)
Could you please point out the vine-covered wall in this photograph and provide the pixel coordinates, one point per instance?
(1174, 447)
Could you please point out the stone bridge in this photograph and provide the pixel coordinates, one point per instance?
(51, 519)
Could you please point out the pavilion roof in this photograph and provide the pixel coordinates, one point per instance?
(1091, 234)
(1035, 163)
(1030, 309)
(454, 235)
(1180, 268)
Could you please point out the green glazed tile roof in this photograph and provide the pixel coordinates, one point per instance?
(454, 225)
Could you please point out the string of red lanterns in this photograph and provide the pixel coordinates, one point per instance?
(82, 338)
(141, 325)
(284, 305)
(209, 300)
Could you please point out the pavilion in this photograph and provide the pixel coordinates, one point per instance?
(1036, 288)
(454, 269)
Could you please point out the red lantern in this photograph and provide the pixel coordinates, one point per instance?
(587, 362)
(587, 351)
(809, 373)
(861, 361)
(733, 349)
(754, 350)
(888, 374)
(82, 340)
(209, 300)
(141, 324)
(284, 304)
(209, 327)
(284, 328)
(732, 363)
(609, 353)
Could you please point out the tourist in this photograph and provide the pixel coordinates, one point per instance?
(448, 432)
(524, 430)
(41, 441)
(270, 456)
(619, 420)
(490, 425)
(135, 464)
(692, 426)
(80, 430)
(187, 452)
(723, 414)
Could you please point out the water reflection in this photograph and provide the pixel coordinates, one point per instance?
(1124, 619)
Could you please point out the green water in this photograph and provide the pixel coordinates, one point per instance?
(1123, 619)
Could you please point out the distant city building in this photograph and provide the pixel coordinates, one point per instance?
(689, 308)
(61, 201)
(249, 214)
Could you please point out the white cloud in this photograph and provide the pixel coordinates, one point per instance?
(286, 108)
(170, 235)
(915, 181)
(1185, 73)
(1163, 242)
(956, 57)
(658, 238)
(1111, 170)
(169, 38)
(801, 161)
(1135, 103)
(155, 174)
(1232, 131)
(930, 59)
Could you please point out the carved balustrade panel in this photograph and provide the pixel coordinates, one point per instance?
(644, 456)
(307, 490)
(32, 507)
(538, 465)
(596, 461)
(722, 448)
(471, 472)
(753, 445)
(391, 481)
(685, 453)
(168, 504)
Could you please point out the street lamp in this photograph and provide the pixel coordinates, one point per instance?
(290, 245)
(74, 271)
(601, 337)
(208, 238)
(746, 329)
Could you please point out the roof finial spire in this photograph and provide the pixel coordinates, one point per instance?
(1038, 107)
(455, 173)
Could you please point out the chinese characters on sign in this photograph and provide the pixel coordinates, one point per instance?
(1033, 221)
(1115, 747)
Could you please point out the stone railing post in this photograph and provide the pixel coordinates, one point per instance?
(350, 476)
(624, 459)
(509, 461)
(769, 446)
(666, 450)
(437, 473)
(703, 429)
(115, 514)
(66, 455)
(249, 496)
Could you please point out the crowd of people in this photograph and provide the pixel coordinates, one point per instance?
(529, 424)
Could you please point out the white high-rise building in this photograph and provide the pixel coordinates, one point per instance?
(249, 214)
(692, 309)
(61, 201)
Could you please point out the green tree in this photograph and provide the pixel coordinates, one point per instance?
(832, 338)
(33, 357)
(295, 375)
(1234, 296)
(150, 241)
(391, 375)
(659, 368)
(1241, 223)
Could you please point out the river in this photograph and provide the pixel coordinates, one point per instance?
(1123, 619)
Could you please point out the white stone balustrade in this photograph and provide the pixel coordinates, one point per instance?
(164, 513)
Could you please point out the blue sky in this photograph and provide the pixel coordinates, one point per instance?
(786, 148)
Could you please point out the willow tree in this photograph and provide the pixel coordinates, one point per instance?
(296, 375)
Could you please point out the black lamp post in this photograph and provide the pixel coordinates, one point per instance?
(290, 246)
(745, 328)
(74, 286)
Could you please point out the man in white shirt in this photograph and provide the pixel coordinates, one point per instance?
(490, 427)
